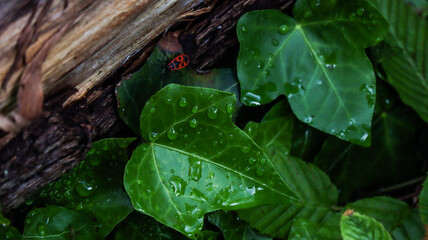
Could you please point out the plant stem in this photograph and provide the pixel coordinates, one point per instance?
(401, 185)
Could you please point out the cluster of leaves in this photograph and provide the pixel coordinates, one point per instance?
(195, 174)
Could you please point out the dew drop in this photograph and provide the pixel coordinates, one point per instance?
(244, 28)
(212, 112)
(195, 109)
(318, 82)
(252, 161)
(360, 11)
(260, 171)
(260, 65)
(182, 102)
(229, 108)
(330, 66)
(152, 109)
(247, 169)
(352, 16)
(153, 136)
(41, 229)
(283, 29)
(193, 123)
(245, 149)
(83, 188)
(275, 42)
(214, 143)
(172, 134)
(139, 182)
(308, 119)
(263, 161)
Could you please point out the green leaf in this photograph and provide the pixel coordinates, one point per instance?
(304, 229)
(9, 233)
(94, 187)
(234, 228)
(317, 61)
(410, 228)
(198, 161)
(208, 235)
(423, 201)
(272, 135)
(57, 223)
(140, 226)
(395, 216)
(357, 226)
(133, 93)
(315, 192)
(407, 70)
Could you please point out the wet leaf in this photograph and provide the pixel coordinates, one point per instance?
(94, 187)
(406, 70)
(234, 228)
(197, 161)
(357, 226)
(58, 223)
(317, 60)
(133, 93)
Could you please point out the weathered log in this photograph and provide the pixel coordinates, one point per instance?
(73, 117)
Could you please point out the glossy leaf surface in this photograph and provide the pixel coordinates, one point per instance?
(407, 69)
(133, 93)
(58, 223)
(315, 192)
(423, 202)
(317, 60)
(233, 228)
(139, 226)
(94, 187)
(197, 160)
(357, 227)
(394, 215)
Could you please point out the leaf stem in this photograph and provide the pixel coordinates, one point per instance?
(401, 185)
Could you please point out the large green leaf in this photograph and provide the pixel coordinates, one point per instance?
(94, 187)
(58, 223)
(197, 160)
(139, 226)
(133, 93)
(423, 202)
(393, 154)
(356, 227)
(407, 70)
(394, 215)
(233, 228)
(317, 60)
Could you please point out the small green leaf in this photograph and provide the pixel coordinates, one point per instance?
(58, 223)
(94, 187)
(9, 233)
(357, 227)
(197, 161)
(139, 226)
(407, 69)
(392, 213)
(234, 228)
(423, 201)
(317, 60)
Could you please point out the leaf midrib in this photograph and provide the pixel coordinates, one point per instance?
(223, 167)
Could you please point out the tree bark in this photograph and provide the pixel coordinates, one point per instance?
(105, 41)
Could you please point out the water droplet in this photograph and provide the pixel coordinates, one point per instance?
(215, 143)
(263, 161)
(195, 109)
(229, 108)
(193, 123)
(330, 66)
(168, 100)
(153, 136)
(244, 28)
(212, 112)
(252, 160)
(247, 169)
(41, 229)
(251, 99)
(195, 170)
(360, 11)
(152, 109)
(260, 65)
(318, 82)
(308, 119)
(260, 171)
(83, 188)
(283, 29)
(172, 134)
(352, 16)
(275, 42)
(182, 102)
(139, 182)
(245, 149)
(178, 185)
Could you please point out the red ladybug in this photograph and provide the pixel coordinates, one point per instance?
(179, 62)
